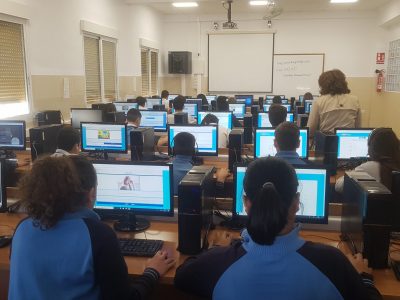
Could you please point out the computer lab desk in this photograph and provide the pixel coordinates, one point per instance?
(385, 280)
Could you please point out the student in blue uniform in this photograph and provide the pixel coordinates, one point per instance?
(287, 140)
(272, 261)
(62, 250)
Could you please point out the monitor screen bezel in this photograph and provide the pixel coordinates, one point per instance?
(215, 113)
(153, 99)
(302, 219)
(15, 148)
(157, 111)
(105, 151)
(140, 211)
(193, 125)
(338, 141)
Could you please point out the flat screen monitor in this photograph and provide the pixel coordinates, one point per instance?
(206, 138)
(12, 135)
(352, 143)
(267, 106)
(125, 106)
(263, 119)
(264, 142)
(247, 99)
(190, 108)
(225, 118)
(103, 137)
(238, 110)
(154, 119)
(270, 97)
(150, 102)
(307, 106)
(139, 188)
(313, 189)
(198, 102)
(79, 115)
(211, 98)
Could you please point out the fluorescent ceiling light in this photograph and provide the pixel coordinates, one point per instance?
(185, 4)
(259, 2)
(343, 1)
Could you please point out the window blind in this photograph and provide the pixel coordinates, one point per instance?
(109, 70)
(92, 69)
(145, 72)
(12, 63)
(154, 72)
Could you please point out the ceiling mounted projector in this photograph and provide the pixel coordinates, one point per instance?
(273, 10)
(229, 24)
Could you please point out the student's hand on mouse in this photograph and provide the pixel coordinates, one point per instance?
(161, 262)
(360, 264)
(222, 174)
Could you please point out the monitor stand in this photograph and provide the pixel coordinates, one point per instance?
(131, 223)
(7, 154)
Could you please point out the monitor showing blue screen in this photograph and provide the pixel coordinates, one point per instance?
(125, 106)
(150, 102)
(307, 106)
(211, 98)
(264, 143)
(206, 138)
(194, 101)
(127, 186)
(263, 119)
(154, 119)
(104, 137)
(12, 135)
(352, 143)
(225, 118)
(247, 99)
(270, 97)
(190, 108)
(313, 189)
(288, 107)
(238, 110)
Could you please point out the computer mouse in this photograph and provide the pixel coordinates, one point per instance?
(5, 240)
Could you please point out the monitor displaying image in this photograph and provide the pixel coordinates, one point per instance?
(12, 135)
(151, 102)
(225, 118)
(263, 119)
(246, 99)
(191, 109)
(124, 106)
(154, 119)
(103, 137)
(238, 110)
(267, 106)
(352, 143)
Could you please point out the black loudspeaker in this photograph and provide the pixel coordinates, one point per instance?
(48, 117)
(180, 62)
(142, 144)
(196, 193)
(181, 118)
(235, 147)
(43, 139)
(248, 129)
(326, 149)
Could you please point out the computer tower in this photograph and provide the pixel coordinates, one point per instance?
(260, 102)
(181, 118)
(196, 194)
(326, 150)
(248, 129)
(142, 144)
(235, 147)
(367, 217)
(48, 117)
(117, 117)
(302, 120)
(254, 113)
(43, 139)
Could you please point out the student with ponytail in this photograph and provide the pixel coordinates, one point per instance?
(272, 261)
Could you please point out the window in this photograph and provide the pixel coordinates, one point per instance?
(393, 70)
(13, 79)
(100, 69)
(149, 62)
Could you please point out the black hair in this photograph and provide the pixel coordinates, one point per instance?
(232, 100)
(67, 138)
(133, 114)
(222, 103)
(287, 136)
(277, 100)
(164, 94)
(141, 101)
(203, 99)
(277, 114)
(85, 171)
(184, 144)
(271, 185)
(179, 102)
(308, 96)
(210, 119)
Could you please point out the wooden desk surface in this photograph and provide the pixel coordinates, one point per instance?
(384, 279)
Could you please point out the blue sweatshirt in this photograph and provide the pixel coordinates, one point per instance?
(289, 269)
(78, 258)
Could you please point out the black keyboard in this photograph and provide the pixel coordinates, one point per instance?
(140, 247)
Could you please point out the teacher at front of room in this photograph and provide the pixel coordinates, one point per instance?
(335, 108)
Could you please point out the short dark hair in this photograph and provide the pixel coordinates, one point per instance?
(277, 100)
(141, 101)
(184, 144)
(164, 94)
(333, 83)
(210, 119)
(203, 98)
(287, 136)
(179, 102)
(67, 138)
(308, 96)
(133, 114)
(85, 170)
(222, 103)
(277, 114)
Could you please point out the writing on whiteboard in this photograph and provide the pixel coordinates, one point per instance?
(292, 68)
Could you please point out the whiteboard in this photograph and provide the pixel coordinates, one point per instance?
(240, 61)
(296, 74)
